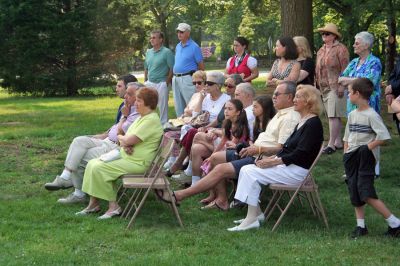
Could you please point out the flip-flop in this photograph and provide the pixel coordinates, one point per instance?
(162, 196)
(213, 205)
(205, 201)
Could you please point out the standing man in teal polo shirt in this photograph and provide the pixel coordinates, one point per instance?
(158, 71)
(188, 59)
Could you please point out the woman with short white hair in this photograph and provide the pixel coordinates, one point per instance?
(365, 66)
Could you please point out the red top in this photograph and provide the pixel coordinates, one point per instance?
(241, 68)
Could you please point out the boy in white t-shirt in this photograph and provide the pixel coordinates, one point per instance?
(365, 132)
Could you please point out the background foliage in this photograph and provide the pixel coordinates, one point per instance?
(56, 47)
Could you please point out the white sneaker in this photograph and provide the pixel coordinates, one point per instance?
(182, 178)
(72, 198)
(58, 183)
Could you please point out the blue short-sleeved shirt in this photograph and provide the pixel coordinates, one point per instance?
(187, 57)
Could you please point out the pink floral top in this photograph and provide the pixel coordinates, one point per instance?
(330, 64)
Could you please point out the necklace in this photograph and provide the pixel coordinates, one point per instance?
(305, 118)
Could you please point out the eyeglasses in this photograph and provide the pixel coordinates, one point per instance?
(197, 83)
(210, 83)
(325, 33)
(276, 94)
(229, 86)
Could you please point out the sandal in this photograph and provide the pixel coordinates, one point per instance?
(214, 205)
(328, 150)
(165, 197)
(338, 148)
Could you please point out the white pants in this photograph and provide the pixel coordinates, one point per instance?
(163, 96)
(81, 151)
(183, 89)
(252, 177)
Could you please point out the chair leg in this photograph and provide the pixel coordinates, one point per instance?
(138, 208)
(270, 204)
(321, 208)
(284, 211)
(174, 208)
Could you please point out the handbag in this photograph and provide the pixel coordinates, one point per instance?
(200, 120)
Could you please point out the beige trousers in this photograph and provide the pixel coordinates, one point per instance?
(81, 151)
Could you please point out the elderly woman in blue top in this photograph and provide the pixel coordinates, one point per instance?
(138, 148)
(365, 66)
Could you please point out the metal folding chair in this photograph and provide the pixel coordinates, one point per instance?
(307, 190)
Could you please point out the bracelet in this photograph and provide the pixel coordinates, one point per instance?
(259, 150)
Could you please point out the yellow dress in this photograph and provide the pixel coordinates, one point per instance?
(99, 176)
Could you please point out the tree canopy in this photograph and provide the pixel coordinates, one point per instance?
(56, 47)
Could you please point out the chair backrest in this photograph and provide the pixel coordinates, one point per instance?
(161, 157)
(309, 180)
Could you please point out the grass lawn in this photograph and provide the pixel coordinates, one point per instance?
(34, 137)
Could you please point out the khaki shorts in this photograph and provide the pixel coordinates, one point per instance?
(334, 106)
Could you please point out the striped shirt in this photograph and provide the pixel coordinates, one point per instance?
(363, 127)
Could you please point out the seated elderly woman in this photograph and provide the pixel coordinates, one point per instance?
(138, 148)
(212, 102)
(290, 165)
(191, 110)
(365, 66)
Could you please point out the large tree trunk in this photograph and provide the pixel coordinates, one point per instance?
(296, 19)
(391, 42)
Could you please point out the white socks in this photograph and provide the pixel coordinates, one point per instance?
(393, 221)
(195, 179)
(66, 175)
(79, 193)
(361, 223)
(188, 170)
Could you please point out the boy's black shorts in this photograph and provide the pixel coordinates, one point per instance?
(359, 166)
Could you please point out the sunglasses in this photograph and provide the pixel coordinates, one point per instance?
(179, 31)
(210, 83)
(197, 83)
(325, 33)
(229, 86)
(276, 94)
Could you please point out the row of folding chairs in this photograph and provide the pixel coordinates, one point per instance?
(136, 189)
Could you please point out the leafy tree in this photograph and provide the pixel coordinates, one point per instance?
(56, 47)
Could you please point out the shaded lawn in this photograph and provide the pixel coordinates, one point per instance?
(34, 229)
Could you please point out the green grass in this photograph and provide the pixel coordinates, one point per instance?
(34, 229)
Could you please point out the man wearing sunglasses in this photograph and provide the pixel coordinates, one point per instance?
(188, 59)
(158, 71)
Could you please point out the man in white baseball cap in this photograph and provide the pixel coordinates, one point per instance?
(188, 59)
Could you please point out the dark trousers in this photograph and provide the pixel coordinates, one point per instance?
(359, 166)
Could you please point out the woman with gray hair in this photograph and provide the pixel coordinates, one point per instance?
(365, 66)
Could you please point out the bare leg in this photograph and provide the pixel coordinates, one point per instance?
(179, 161)
(198, 152)
(93, 202)
(209, 181)
(221, 195)
(379, 206)
(360, 213)
(112, 206)
(217, 158)
(334, 132)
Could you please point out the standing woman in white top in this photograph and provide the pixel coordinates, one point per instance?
(286, 66)
(242, 63)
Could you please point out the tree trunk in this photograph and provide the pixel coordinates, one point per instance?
(297, 20)
(391, 42)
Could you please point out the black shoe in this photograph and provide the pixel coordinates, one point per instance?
(359, 231)
(328, 150)
(393, 232)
